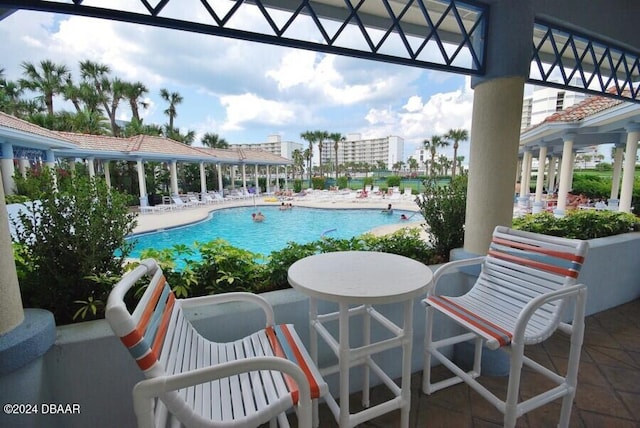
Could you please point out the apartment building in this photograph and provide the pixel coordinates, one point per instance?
(356, 149)
(276, 146)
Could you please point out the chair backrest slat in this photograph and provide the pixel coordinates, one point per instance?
(560, 263)
(521, 266)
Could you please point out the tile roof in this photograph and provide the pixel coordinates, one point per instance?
(584, 109)
(12, 122)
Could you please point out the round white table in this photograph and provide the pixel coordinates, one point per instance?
(363, 279)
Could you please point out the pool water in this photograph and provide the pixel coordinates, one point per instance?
(298, 224)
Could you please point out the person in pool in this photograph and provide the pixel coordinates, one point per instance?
(403, 217)
(259, 217)
(388, 210)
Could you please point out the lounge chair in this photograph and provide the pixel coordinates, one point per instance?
(208, 199)
(195, 201)
(154, 209)
(526, 283)
(179, 203)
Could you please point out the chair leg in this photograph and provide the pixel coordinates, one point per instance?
(426, 372)
(577, 337)
(513, 389)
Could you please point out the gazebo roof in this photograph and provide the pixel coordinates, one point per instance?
(595, 120)
(147, 147)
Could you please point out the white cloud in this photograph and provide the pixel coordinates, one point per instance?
(418, 120)
(331, 80)
(242, 109)
(244, 91)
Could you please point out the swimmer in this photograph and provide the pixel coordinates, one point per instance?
(388, 210)
(403, 217)
(259, 217)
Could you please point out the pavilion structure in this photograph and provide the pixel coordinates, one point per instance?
(25, 144)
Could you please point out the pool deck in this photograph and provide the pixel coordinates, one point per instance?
(178, 217)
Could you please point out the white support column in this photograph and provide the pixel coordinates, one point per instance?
(268, 185)
(257, 182)
(244, 178)
(107, 173)
(7, 169)
(542, 160)
(23, 166)
(11, 310)
(519, 171)
(232, 177)
(203, 179)
(286, 178)
(525, 183)
(220, 182)
(628, 173)
(566, 172)
(173, 167)
(617, 171)
(542, 163)
(142, 184)
(551, 174)
(495, 130)
(50, 162)
(91, 167)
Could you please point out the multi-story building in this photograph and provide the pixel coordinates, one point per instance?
(276, 146)
(546, 101)
(355, 149)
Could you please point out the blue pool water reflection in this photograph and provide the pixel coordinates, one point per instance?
(298, 224)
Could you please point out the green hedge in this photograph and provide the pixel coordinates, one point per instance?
(578, 224)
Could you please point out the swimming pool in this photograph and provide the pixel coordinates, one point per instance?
(298, 224)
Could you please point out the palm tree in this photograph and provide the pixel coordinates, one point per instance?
(173, 98)
(134, 92)
(413, 164)
(320, 136)
(10, 93)
(456, 135)
(136, 127)
(298, 162)
(89, 122)
(214, 141)
(175, 134)
(308, 153)
(109, 92)
(336, 137)
(432, 146)
(459, 160)
(48, 80)
(445, 163)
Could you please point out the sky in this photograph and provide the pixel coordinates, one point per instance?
(246, 91)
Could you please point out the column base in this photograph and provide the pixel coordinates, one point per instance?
(28, 341)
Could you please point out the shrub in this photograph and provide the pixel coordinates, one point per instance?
(318, 183)
(342, 182)
(592, 186)
(297, 185)
(65, 245)
(224, 268)
(578, 224)
(443, 208)
(393, 181)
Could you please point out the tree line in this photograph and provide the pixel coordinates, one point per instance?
(97, 97)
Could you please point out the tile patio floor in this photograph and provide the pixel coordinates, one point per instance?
(608, 385)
